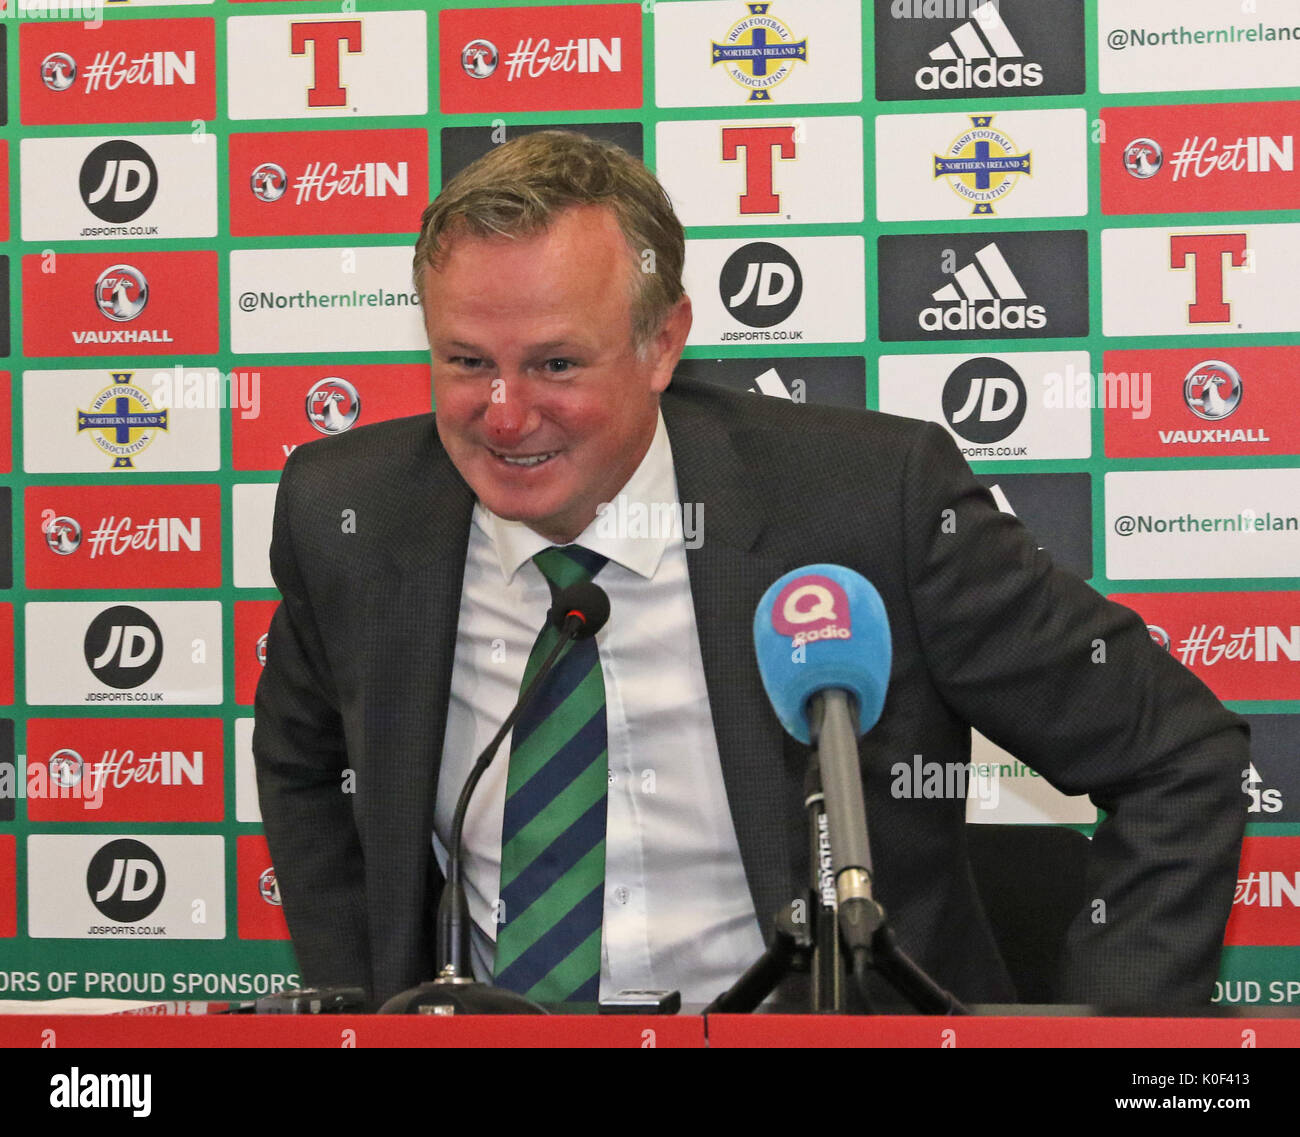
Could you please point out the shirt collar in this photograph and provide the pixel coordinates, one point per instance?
(628, 529)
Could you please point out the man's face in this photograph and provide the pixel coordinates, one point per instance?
(543, 404)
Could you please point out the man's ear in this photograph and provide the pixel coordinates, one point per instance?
(668, 342)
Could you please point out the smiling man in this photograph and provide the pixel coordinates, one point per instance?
(642, 826)
(546, 402)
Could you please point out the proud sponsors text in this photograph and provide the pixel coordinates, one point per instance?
(132, 983)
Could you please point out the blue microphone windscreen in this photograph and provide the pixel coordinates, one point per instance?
(822, 627)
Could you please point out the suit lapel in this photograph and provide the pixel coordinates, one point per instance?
(729, 572)
(413, 611)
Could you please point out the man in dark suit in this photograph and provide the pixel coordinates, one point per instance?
(553, 351)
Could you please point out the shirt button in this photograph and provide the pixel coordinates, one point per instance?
(621, 894)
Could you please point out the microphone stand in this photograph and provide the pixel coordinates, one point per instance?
(455, 991)
(861, 929)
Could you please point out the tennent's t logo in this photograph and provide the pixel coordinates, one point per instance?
(758, 142)
(1206, 252)
(327, 39)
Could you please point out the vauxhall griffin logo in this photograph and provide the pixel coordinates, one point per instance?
(761, 284)
(1212, 389)
(121, 293)
(984, 400)
(479, 58)
(268, 182)
(66, 768)
(118, 181)
(58, 71)
(1143, 158)
(123, 647)
(62, 535)
(268, 887)
(333, 405)
(126, 880)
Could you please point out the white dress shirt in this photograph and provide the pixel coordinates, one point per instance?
(678, 912)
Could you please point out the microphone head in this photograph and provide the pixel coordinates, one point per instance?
(587, 601)
(817, 628)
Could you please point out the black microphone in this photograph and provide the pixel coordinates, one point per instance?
(579, 612)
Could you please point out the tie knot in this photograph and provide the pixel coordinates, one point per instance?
(563, 565)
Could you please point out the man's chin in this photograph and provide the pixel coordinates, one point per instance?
(540, 517)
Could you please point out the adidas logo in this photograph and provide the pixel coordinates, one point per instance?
(771, 384)
(983, 37)
(985, 295)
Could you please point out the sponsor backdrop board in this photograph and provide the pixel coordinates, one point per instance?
(1064, 230)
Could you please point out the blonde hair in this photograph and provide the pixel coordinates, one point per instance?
(517, 190)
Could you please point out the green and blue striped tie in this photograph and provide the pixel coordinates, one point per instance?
(553, 828)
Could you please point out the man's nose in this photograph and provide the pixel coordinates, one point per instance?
(510, 415)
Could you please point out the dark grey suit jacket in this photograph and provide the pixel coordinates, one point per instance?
(370, 535)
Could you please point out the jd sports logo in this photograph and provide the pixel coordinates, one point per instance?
(984, 400)
(126, 880)
(990, 286)
(123, 647)
(761, 284)
(1008, 47)
(118, 181)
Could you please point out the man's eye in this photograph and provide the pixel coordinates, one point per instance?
(558, 366)
(468, 362)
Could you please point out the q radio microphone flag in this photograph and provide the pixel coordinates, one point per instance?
(820, 628)
(823, 647)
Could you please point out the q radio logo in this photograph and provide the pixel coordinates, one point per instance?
(761, 284)
(811, 608)
(123, 647)
(126, 881)
(984, 400)
(118, 181)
